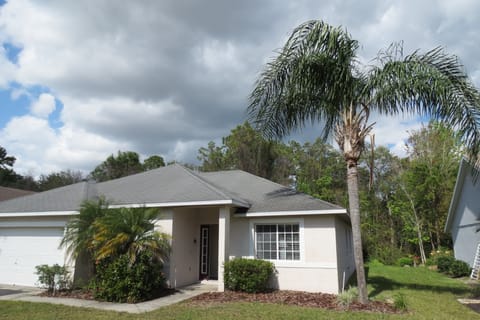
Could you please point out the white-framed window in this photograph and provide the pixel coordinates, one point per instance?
(277, 241)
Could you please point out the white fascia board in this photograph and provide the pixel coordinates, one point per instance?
(179, 204)
(290, 213)
(37, 214)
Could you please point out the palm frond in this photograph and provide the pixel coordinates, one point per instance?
(432, 84)
(80, 229)
(309, 80)
(130, 231)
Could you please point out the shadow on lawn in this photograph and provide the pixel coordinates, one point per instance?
(380, 284)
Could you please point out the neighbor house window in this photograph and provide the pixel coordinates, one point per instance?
(277, 241)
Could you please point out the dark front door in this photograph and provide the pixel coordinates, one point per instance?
(209, 251)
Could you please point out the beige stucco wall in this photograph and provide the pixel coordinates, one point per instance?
(345, 260)
(183, 224)
(321, 238)
(317, 269)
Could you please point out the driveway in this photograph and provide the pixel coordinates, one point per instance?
(4, 292)
(8, 292)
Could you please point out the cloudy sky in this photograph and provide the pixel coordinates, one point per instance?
(80, 80)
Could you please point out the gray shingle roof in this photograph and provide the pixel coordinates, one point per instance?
(10, 193)
(174, 184)
(66, 198)
(264, 195)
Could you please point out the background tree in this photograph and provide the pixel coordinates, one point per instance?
(59, 179)
(246, 149)
(213, 158)
(435, 153)
(319, 171)
(153, 162)
(124, 164)
(380, 225)
(8, 176)
(317, 76)
(6, 160)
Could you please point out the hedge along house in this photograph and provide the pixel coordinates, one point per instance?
(211, 216)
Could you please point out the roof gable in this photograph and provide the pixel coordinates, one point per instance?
(264, 195)
(170, 184)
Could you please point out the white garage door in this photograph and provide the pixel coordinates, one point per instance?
(21, 249)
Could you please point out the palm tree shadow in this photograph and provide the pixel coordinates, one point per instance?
(380, 284)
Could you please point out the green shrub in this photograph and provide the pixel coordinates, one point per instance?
(248, 275)
(385, 253)
(120, 281)
(444, 263)
(459, 268)
(346, 298)
(52, 277)
(375, 263)
(400, 301)
(405, 261)
(474, 291)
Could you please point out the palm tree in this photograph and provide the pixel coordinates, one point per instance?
(79, 233)
(130, 231)
(78, 239)
(317, 77)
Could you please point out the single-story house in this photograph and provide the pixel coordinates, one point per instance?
(10, 193)
(211, 217)
(463, 220)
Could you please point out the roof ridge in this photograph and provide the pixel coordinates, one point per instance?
(210, 185)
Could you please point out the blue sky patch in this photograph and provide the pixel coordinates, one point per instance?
(20, 106)
(12, 52)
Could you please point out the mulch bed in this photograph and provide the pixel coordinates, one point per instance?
(296, 298)
(303, 299)
(88, 294)
(76, 294)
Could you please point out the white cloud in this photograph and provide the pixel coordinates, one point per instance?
(44, 106)
(26, 138)
(394, 131)
(165, 77)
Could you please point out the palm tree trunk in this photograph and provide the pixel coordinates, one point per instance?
(354, 206)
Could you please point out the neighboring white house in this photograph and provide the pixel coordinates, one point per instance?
(211, 216)
(463, 219)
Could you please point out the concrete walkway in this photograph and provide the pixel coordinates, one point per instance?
(31, 294)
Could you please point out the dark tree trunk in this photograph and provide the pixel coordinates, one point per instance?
(354, 206)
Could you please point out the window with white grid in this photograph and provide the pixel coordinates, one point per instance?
(277, 241)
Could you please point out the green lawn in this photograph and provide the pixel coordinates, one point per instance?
(429, 296)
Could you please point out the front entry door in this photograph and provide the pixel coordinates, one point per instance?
(209, 251)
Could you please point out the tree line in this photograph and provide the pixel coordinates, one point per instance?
(404, 201)
(122, 164)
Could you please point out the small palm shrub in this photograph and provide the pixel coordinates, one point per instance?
(118, 280)
(248, 275)
(400, 301)
(346, 298)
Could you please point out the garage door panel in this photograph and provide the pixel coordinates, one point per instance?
(21, 249)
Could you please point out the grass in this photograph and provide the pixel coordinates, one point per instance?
(427, 294)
